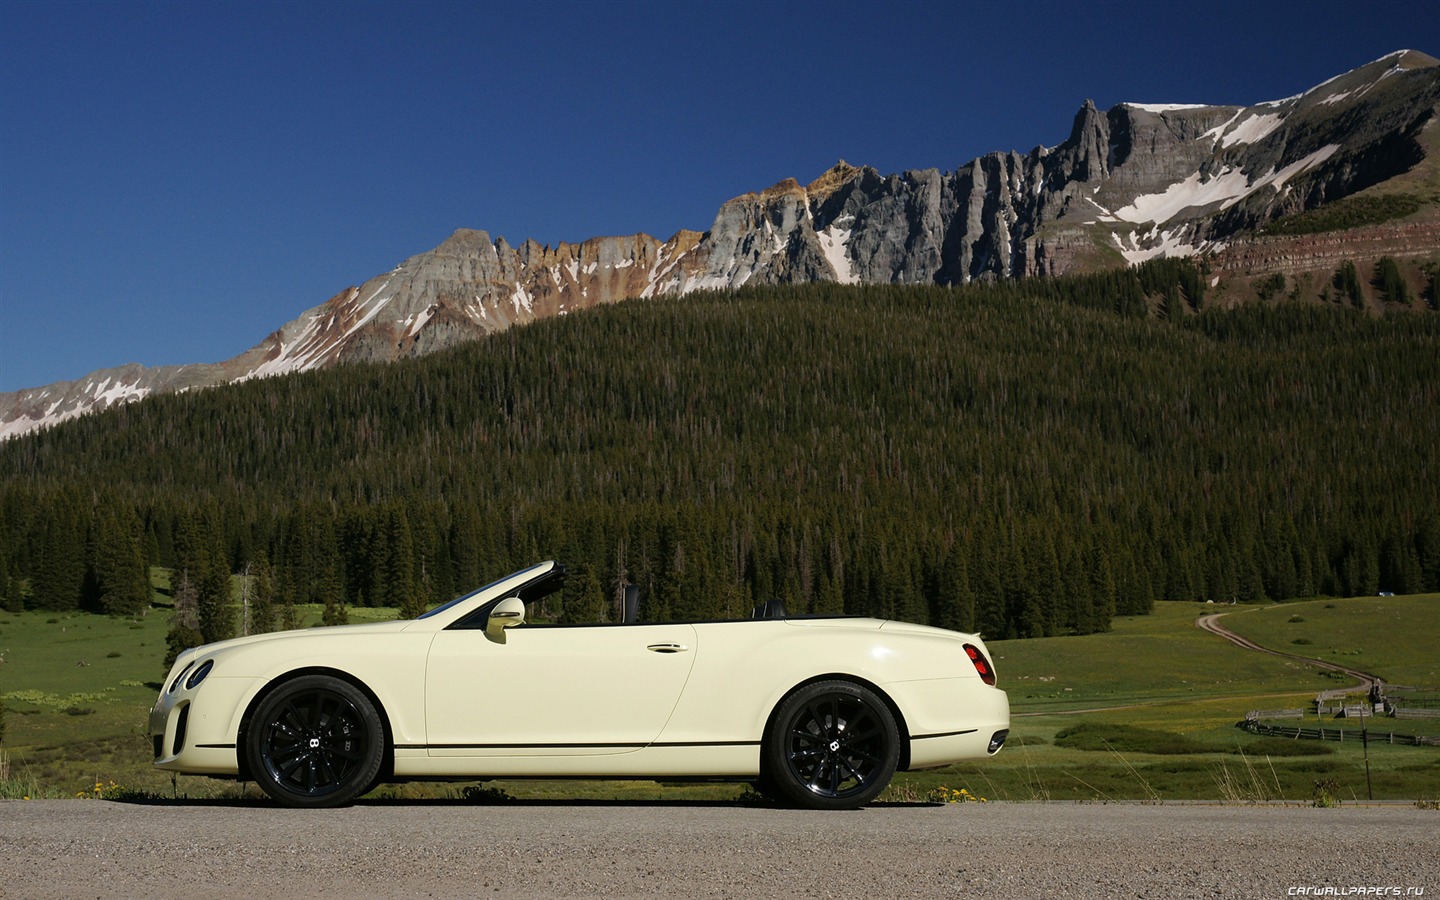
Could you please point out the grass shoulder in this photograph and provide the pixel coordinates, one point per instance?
(1146, 711)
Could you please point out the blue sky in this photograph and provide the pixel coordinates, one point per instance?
(179, 179)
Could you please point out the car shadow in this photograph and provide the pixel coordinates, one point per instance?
(559, 803)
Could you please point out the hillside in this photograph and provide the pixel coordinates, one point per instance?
(1026, 458)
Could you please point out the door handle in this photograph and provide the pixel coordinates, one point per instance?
(667, 648)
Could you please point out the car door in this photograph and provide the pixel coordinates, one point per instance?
(554, 690)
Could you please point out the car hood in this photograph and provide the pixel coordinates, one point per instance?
(324, 632)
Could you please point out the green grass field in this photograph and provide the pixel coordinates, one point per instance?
(78, 689)
(1397, 638)
(1162, 674)
(1145, 712)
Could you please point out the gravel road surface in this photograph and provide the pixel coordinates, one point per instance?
(94, 848)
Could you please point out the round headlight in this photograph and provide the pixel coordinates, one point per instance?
(199, 674)
(176, 683)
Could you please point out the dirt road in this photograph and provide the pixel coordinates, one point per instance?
(1211, 623)
(95, 848)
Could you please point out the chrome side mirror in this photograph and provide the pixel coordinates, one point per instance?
(506, 614)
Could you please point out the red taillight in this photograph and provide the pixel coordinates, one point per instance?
(982, 665)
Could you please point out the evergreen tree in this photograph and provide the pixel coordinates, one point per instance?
(187, 555)
(397, 567)
(1075, 589)
(1133, 594)
(288, 613)
(184, 630)
(60, 567)
(1360, 569)
(1102, 589)
(119, 577)
(1400, 567)
(1347, 282)
(1251, 582)
(583, 597)
(1427, 549)
(10, 599)
(1024, 614)
(214, 606)
(954, 606)
(1221, 585)
(260, 581)
(830, 598)
(1391, 282)
(989, 592)
(466, 547)
(1271, 286)
(331, 596)
(1045, 575)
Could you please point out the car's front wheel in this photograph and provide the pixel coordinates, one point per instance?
(833, 745)
(315, 741)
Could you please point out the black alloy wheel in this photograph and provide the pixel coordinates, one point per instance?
(833, 745)
(315, 741)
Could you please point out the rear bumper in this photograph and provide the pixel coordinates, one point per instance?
(951, 720)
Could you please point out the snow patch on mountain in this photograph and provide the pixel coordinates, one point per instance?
(835, 242)
(107, 394)
(522, 300)
(24, 424)
(1277, 178)
(1161, 243)
(1252, 130)
(1194, 192)
(291, 357)
(1165, 107)
(372, 311)
(1198, 192)
(417, 322)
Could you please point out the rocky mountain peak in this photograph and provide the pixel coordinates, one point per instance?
(464, 240)
(831, 180)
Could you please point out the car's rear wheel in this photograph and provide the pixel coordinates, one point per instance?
(833, 745)
(315, 741)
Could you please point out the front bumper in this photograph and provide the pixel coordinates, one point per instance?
(193, 730)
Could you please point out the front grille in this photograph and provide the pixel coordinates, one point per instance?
(159, 740)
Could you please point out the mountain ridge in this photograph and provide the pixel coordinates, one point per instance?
(1130, 183)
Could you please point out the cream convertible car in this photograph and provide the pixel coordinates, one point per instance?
(816, 711)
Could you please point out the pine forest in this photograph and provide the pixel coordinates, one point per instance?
(1022, 459)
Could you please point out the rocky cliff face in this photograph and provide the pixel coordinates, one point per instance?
(1130, 183)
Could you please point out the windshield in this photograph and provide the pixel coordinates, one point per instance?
(480, 590)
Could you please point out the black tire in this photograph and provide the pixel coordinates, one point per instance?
(833, 745)
(315, 742)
